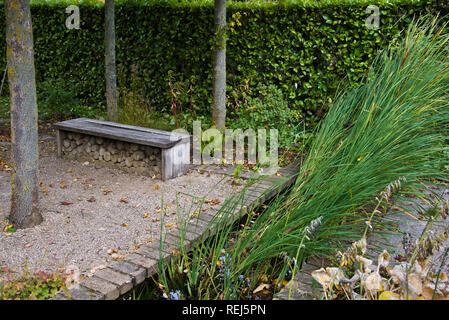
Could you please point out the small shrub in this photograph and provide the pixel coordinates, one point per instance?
(267, 110)
(4, 107)
(38, 286)
(56, 100)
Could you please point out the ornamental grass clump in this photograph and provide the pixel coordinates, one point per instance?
(393, 127)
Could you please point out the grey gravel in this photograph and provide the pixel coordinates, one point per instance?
(80, 234)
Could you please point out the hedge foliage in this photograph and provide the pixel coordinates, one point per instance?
(303, 48)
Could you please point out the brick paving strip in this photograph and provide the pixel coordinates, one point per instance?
(122, 276)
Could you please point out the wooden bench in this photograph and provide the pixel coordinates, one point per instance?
(174, 147)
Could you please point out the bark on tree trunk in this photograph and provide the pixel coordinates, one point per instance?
(111, 76)
(21, 76)
(219, 65)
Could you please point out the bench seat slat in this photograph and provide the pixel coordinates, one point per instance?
(151, 137)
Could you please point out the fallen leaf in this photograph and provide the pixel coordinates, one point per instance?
(372, 282)
(88, 181)
(156, 187)
(28, 245)
(322, 277)
(8, 227)
(98, 268)
(145, 215)
(125, 224)
(91, 199)
(66, 202)
(123, 200)
(261, 287)
(388, 295)
(415, 285)
(115, 256)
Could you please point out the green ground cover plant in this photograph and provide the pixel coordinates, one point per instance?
(38, 286)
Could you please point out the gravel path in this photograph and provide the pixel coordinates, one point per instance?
(108, 209)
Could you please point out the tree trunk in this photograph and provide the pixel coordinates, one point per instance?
(219, 65)
(21, 75)
(111, 75)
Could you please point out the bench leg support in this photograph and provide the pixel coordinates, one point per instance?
(59, 141)
(175, 161)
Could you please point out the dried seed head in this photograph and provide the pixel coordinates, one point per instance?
(311, 229)
(408, 245)
(392, 187)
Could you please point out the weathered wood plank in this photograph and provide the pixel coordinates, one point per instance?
(120, 132)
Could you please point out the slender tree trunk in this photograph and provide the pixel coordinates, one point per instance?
(21, 75)
(111, 75)
(219, 65)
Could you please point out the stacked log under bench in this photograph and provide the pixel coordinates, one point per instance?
(149, 152)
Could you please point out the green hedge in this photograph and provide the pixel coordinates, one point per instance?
(314, 46)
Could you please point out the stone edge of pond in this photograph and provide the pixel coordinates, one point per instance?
(121, 276)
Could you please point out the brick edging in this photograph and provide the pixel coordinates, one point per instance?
(121, 276)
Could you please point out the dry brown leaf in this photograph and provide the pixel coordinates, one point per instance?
(123, 200)
(372, 282)
(115, 256)
(388, 295)
(261, 287)
(66, 202)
